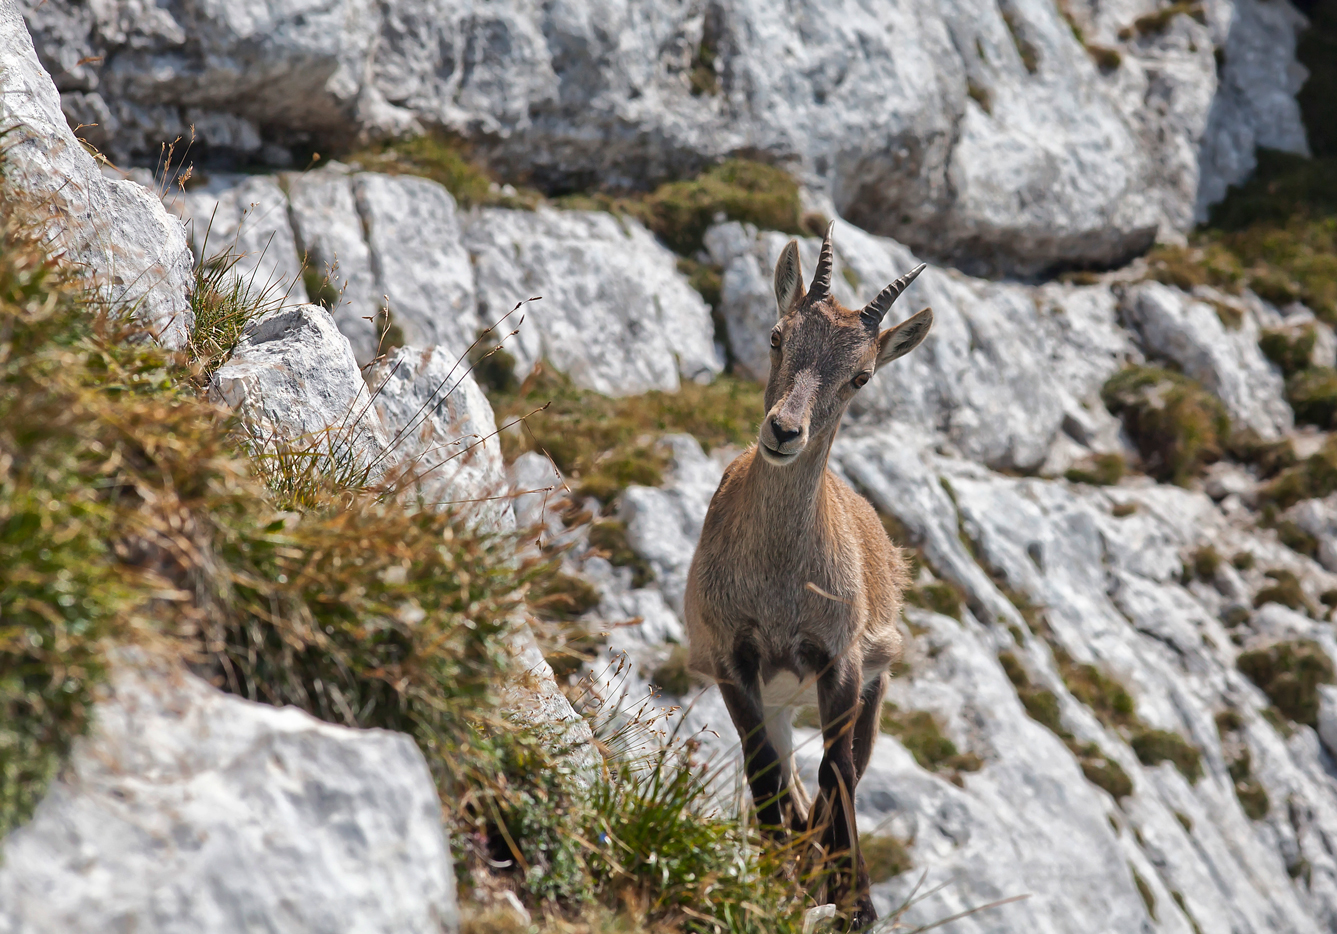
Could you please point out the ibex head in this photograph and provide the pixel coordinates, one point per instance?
(822, 353)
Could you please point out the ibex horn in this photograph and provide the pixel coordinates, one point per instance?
(875, 310)
(821, 279)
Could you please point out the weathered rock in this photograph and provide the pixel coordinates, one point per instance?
(1255, 103)
(616, 314)
(294, 379)
(1004, 370)
(979, 135)
(1318, 517)
(192, 810)
(245, 218)
(443, 435)
(115, 229)
(329, 231)
(1189, 333)
(420, 264)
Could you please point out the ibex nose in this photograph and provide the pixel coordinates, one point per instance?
(783, 435)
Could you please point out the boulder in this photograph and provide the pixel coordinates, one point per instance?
(980, 135)
(243, 220)
(1190, 334)
(422, 269)
(616, 315)
(115, 229)
(294, 379)
(443, 435)
(192, 810)
(330, 234)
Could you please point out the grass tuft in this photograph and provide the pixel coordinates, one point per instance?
(1312, 393)
(1314, 477)
(1289, 673)
(922, 736)
(1153, 746)
(604, 445)
(1103, 470)
(1177, 425)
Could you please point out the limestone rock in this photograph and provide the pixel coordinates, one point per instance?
(422, 269)
(193, 810)
(980, 135)
(294, 379)
(245, 217)
(443, 435)
(330, 234)
(1190, 334)
(134, 251)
(616, 315)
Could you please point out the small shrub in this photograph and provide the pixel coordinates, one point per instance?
(939, 597)
(1242, 560)
(444, 159)
(1289, 673)
(1284, 589)
(1290, 349)
(1100, 770)
(1042, 707)
(1153, 746)
(1123, 510)
(604, 444)
(1315, 476)
(1206, 562)
(1269, 457)
(1012, 668)
(751, 192)
(1252, 798)
(1184, 821)
(1177, 425)
(1153, 24)
(1106, 58)
(1108, 699)
(673, 676)
(885, 856)
(1312, 393)
(919, 732)
(980, 95)
(1103, 470)
(1297, 539)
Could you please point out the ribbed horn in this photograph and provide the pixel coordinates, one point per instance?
(821, 279)
(876, 310)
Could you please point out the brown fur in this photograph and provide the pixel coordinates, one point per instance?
(795, 575)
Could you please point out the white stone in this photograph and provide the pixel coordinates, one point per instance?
(1175, 327)
(134, 252)
(294, 379)
(421, 267)
(443, 435)
(190, 810)
(616, 315)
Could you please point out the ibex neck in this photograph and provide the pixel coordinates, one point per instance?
(792, 494)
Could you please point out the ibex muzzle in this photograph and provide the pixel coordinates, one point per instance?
(795, 584)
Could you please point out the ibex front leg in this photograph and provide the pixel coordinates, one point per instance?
(761, 761)
(838, 695)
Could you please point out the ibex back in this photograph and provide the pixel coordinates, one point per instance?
(794, 584)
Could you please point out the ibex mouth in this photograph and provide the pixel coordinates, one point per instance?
(772, 456)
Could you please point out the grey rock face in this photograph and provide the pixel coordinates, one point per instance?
(189, 810)
(442, 433)
(980, 135)
(616, 314)
(413, 232)
(1004, 369)
(294, 379)
(245, 217)
(136, 253)
(1227, 361)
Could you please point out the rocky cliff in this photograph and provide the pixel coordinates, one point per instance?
(1118, 698)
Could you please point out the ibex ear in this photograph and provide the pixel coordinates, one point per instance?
(904, 337)
(788, 279)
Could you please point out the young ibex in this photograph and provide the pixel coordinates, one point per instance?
(794, 583)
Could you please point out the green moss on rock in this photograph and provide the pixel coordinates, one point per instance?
(1177, 425)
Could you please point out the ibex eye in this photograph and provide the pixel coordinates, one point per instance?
(775, 339)
(860, 380)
